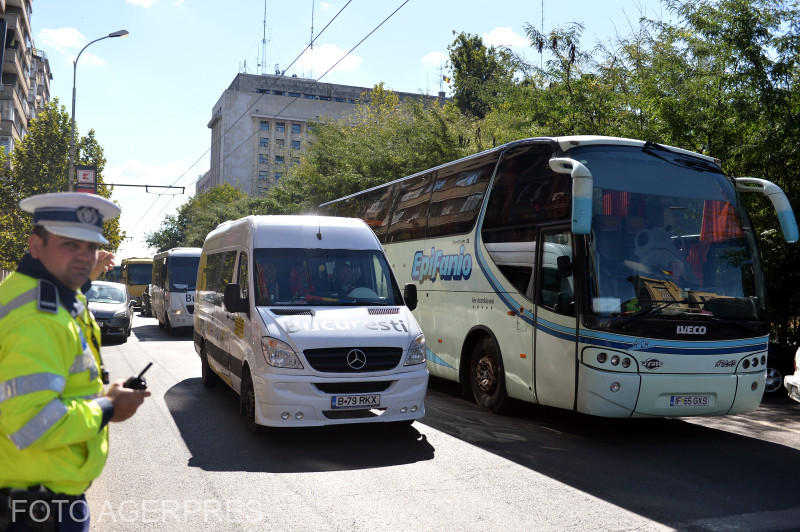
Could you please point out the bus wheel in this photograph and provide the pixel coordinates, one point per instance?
(247, 403)
(487, 377)
(207, 375)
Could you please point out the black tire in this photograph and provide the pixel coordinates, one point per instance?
(208, 377)
(774, 382)
(487, 377)
(167, 325)
(247, 403)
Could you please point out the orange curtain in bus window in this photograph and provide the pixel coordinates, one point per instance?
(616, 203)
(719, 222)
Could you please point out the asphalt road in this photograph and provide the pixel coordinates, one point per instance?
(186, 462)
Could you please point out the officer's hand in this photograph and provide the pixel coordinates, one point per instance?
(105, 262)
(125, 400)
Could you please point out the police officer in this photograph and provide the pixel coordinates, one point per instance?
(53, 409)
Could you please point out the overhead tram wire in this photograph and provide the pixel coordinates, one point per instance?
(309, 45)
(294, 99)
(316, 80)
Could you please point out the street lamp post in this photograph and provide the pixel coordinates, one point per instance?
(71, 174)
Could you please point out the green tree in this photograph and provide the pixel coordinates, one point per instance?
(480, 74)
(39, 165)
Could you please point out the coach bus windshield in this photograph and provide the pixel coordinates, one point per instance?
(319, 277)
(139, 273)
(668, 238)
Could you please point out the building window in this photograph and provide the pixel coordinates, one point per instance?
(294, 94)
(279, 143)
(263, 142)
(263, 159)
(278, 175)
(280, 127)
(325, 98)
(340, 100)
(263, 175)
(352, 100)
(296, 129)
(264, 125)
(309, 97)
(262, 91)
(279, 159)
(295, 144)
(277, 93)
(296, 160)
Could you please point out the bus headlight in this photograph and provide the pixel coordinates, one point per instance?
(279, 354)
(416, 351)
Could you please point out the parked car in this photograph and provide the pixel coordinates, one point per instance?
(112, 308)
(780, 362)
(792, 382)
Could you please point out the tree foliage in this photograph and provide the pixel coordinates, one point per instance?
(39, 165)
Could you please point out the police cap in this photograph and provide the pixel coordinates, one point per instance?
(71, 214)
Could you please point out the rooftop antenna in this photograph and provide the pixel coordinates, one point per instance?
(262, 65)
(312, 25)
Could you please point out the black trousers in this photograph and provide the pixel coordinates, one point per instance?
(40, 510)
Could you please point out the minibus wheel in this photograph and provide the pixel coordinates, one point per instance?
(247, 403)
(487, 376)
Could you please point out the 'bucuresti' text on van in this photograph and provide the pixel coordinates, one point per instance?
(302, 316)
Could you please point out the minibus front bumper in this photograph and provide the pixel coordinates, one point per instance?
(306, 400)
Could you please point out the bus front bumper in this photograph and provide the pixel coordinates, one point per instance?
(620, 394)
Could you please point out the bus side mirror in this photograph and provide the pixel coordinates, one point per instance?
(233, 301)
(779, 201)
(410, 295)
(582, 190)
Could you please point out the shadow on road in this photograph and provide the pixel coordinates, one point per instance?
(153, 333)
(215, 434)
(669, 470)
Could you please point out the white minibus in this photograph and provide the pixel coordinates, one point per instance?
(302, 316)
(172, 289)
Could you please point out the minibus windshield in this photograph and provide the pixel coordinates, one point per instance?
(323, 277)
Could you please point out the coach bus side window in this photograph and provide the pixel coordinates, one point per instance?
(410, 215)
(457, 197)
(377, 208)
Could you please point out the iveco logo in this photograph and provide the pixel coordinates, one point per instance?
(691, 329)
(652, 363)
(356, 359)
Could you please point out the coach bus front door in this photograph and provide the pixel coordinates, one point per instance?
(554, 336)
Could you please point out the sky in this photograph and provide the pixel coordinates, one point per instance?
(149, 95)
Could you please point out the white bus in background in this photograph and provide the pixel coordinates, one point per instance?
(173, 287)
(609, 276)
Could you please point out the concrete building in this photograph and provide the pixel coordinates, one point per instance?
(260, 122)
(25, 73)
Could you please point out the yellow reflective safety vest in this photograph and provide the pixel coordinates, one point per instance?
(51, 430)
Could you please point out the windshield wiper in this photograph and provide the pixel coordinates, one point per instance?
(650, 310)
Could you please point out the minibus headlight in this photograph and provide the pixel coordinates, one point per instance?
(279, 354)
(416, 351)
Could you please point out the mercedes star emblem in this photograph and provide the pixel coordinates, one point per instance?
(356, 359)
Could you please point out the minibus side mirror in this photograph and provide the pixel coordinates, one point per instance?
(233, 301)
(410, 295)
(564, 266)
(132, 303)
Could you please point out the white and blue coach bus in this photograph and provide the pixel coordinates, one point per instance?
(608, 276)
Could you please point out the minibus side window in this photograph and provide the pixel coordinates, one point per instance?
(242, 278)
